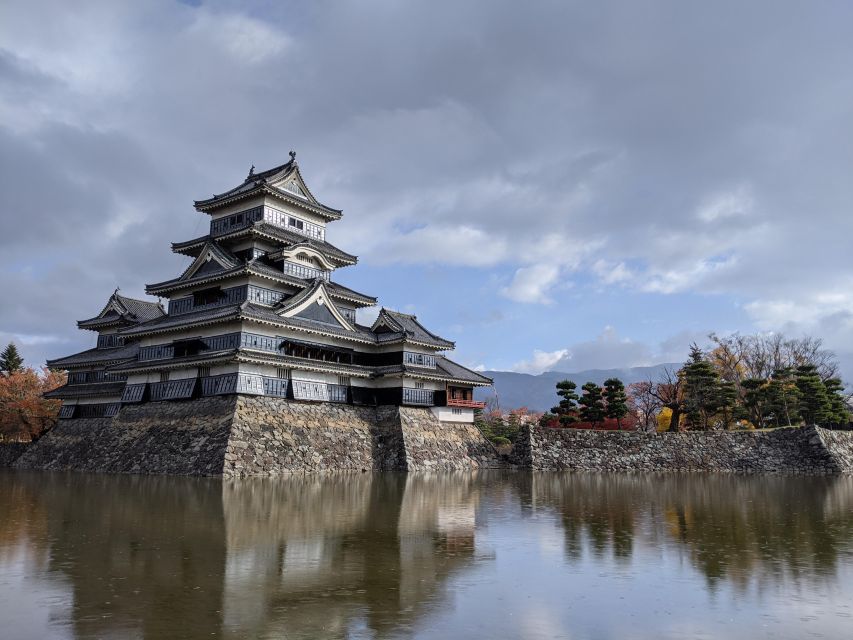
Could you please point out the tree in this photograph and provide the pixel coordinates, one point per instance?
(616, 400)
(646, 404)
(755, 401)
(838, 411)
(783, 398)
(815, 406)
(701, 389)
(10, 360)
(24, 413)
(727, 403)
(669, 390)
(566, 411)
(591, 404)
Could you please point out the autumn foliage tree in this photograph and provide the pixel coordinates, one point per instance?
(24, 413)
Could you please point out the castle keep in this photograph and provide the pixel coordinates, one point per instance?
(258, 315)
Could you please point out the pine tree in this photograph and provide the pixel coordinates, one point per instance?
(815, 405)
(567, 410)
(701, 389)
(727, 402)
(617, 401)
(591, 404)
(783, 398)
(755, 400)
(838, 412)
(10, 360)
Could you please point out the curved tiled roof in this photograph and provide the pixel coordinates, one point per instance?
(195, 246)
(95, 356)
(121, 309)
(86, 390)
(262, 182)
(406, 326)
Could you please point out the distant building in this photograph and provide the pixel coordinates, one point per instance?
(257, 312)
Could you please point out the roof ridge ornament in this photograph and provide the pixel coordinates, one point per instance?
(292, 155)
(251, 172)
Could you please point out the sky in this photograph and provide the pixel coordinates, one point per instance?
(554, 185)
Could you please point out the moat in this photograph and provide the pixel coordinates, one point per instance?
(453, 555)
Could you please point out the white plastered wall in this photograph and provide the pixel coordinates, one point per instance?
(453, 414)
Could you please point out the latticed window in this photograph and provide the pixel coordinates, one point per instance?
(203, 372)
(164, 376)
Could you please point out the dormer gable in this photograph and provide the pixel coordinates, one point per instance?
(211, 259)
(314, 304)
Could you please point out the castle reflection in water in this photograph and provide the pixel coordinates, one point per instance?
(378, 555)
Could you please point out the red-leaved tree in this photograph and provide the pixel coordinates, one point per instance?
(24, 413)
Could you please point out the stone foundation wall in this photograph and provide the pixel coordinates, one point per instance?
(432, 444)
(273, 436)
(257, 435)
(11, 451)
(179, 438)
(808, 450)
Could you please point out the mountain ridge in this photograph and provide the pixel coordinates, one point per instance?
(538, 391)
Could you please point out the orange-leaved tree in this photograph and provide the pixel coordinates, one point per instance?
(24, 413)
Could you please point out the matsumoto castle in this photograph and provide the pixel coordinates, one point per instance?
(258, 312)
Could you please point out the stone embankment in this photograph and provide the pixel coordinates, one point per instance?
(250, 435)
(807, 450)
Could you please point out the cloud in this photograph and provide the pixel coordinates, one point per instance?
(541, 361)
(531, 284)
(593, 149)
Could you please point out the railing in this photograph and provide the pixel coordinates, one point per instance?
(468, 404)
(423, 397)
(303, 272)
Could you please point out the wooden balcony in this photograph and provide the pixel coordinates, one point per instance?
(462, 397)
(465, 404)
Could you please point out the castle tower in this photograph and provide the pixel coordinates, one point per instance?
(258, 311)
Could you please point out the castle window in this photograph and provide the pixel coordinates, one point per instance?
(164, 376)
(203, 372)
(344, 381)
(207, 296)
(293, 222)
(419, 385)
(283, 373)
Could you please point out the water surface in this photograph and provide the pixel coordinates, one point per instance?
(492, 555)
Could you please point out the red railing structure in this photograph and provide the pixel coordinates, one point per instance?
(468, 404)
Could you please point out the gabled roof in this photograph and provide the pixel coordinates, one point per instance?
(393, 325)
(270, 182)
(317, 297)
(121, 310)
(211, 252)
(445, 370)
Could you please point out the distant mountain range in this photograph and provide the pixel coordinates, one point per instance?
(537, 392)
